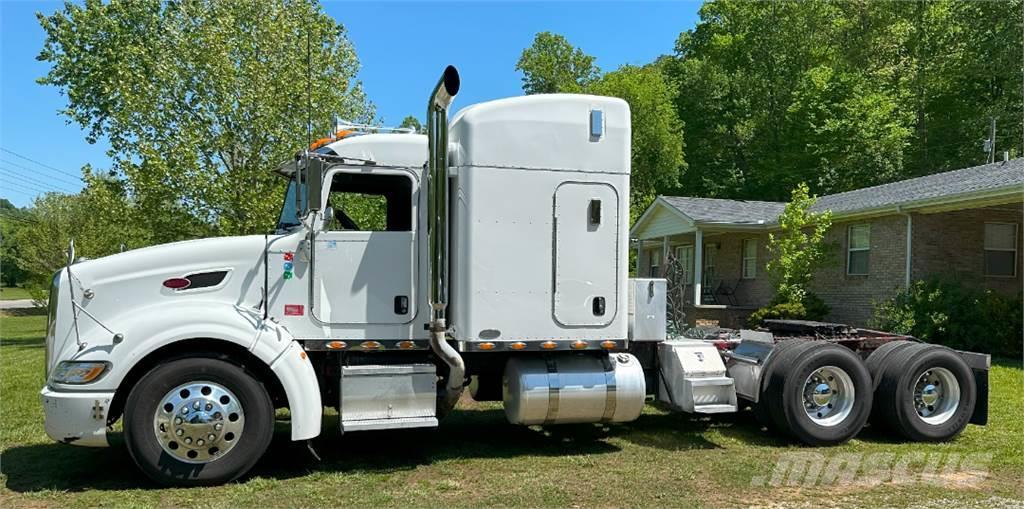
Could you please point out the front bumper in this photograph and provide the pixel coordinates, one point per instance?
(77, 418)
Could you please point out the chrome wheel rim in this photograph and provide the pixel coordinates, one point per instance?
(936, 395)
(198, 422)
(828, 396)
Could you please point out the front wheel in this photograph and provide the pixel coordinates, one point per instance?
(197, 421)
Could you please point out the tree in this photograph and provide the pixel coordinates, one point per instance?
(551, 64)
(411, 122)
(199, 99)
(799, 249)
(11, 219)
(100, 219)
(657, 137)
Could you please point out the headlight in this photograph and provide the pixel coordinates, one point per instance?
(79, 372)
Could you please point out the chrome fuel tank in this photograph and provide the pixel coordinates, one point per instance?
(573, 388)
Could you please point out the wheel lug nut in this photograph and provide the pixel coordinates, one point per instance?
(188, 440)
(200, 442)
(218, 426)
(195, 405)
(177, 420)
(209, 406)
(184, 409)
(179, 432)
(212, 437)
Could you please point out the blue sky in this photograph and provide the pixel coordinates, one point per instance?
(402, 47)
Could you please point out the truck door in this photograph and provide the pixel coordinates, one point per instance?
(586, 254)
(364, 258)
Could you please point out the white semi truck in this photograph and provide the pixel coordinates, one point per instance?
(495, 258)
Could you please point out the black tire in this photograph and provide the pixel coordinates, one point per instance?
(876, 362)
(778, 357)
(897, 403)
(141, 437)
(785, 393)
(485, 388)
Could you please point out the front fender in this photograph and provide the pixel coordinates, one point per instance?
(148, 329)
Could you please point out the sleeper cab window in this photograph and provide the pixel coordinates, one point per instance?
(1001, 249)
(749, 258)
(858, 242)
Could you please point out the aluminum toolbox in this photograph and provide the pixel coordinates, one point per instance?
(380, 397)
(647, 309)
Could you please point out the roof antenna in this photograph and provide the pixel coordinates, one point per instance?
(309, 93)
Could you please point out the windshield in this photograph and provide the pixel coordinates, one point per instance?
(289, 214)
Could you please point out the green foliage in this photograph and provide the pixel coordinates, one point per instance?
(810, 308)
(551, 64)
(843, 95)
(200, 98)
(100, 219)
(956, 315)
(11, 218)
(799, 249)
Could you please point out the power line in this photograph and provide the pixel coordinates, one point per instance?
(77, 181)
(12, 174)
(25, 186)
(44, 165)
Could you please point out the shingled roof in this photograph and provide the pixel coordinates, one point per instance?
(968, 183)
(950, 184)
(713, 210)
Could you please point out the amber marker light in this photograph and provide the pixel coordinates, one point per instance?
(406, 345)
(549, 345)
(336, 345)
(608, 345)
(579, 344)
(370, 345)
(487, 346)
(518, 345)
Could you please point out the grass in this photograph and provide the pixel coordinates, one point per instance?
(475, 459)
(13, 293)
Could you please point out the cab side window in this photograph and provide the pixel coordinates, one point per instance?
(368, 202)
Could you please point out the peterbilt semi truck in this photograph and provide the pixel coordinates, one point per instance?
(489, 254)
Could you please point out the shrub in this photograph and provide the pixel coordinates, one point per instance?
(952, 314)
(811, 308)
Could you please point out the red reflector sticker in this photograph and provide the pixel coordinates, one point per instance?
(294, 310)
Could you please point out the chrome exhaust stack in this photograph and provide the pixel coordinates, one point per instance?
(437, 233)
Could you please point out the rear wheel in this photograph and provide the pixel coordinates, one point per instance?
(927, 393)
(820, 394)
(197, 421)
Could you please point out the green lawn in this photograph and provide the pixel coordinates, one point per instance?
(476, 459)
(13, 293)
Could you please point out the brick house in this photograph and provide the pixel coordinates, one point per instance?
(963, 224)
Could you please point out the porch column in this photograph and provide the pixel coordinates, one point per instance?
(664, 256)
(698, 264)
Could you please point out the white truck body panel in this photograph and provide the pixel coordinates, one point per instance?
(510, 159)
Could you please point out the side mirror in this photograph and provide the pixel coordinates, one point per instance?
(314, 180)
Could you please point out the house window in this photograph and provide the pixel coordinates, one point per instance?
(710, 252)
(655, 264)
(1001, 249)
(858, 249)
(749, 258)
(684, 254)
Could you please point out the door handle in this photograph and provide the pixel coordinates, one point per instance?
(401, 305)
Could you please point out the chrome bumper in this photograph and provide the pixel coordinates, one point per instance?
(77, 418)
